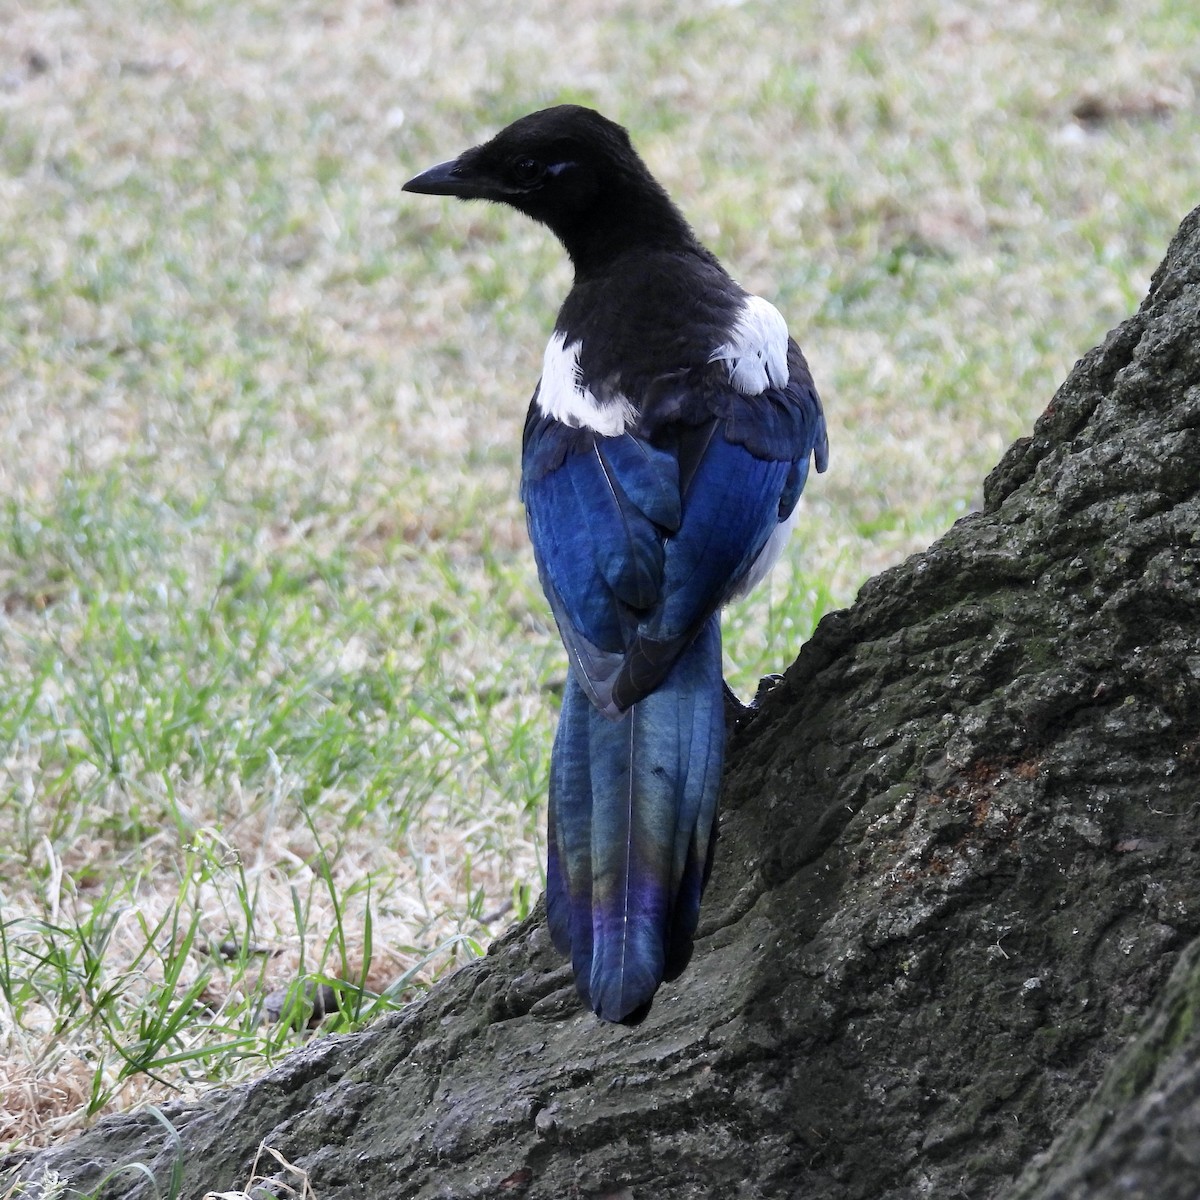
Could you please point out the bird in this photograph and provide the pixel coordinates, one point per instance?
(665, 448)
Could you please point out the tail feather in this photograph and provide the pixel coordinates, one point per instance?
(569, 835)
(633, 814)
(698, 837)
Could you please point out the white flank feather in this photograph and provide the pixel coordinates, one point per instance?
(768, 556)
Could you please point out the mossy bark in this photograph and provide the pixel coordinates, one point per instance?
(957, 894)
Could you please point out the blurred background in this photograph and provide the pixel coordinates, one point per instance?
(277, 683)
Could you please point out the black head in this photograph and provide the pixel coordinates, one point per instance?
(572, 169)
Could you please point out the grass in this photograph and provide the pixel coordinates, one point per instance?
(276, 680)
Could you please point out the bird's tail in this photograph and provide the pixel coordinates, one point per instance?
(633, 806)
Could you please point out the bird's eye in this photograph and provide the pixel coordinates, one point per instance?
(528, 170)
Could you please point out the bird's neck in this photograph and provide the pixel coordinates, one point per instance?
(621, 222)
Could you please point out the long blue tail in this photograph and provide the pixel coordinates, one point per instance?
(633, 807)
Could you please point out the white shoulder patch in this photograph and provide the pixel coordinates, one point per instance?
(562, 396)
(756, 352)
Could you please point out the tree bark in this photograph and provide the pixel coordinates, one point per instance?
(957, 894)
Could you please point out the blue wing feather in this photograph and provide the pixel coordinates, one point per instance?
(648, 477)
(627, 545)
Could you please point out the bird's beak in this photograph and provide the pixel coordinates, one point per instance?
(453, 178)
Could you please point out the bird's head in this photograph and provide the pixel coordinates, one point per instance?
(568, 167)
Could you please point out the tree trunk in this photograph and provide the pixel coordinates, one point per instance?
(957, 893)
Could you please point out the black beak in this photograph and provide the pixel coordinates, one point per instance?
(449, 179)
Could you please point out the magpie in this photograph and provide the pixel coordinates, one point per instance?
(665, 449)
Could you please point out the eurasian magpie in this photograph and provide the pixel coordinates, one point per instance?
(665, 449)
